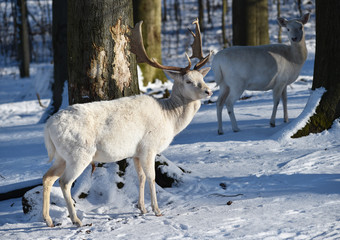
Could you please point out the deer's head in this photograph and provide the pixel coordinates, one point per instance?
(294, 27)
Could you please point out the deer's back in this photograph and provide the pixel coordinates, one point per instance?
(113, 130)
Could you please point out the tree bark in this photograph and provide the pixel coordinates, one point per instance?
(326, 69)
(150, 12)
(250, 22)
(24, 49)
(100, 67)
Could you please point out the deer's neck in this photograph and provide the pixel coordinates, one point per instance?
(299, 51)
(180, 111)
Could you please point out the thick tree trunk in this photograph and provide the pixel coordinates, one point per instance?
(326, 69)
(250, 22)
(100, 66)
(150, 12)
(24, 49)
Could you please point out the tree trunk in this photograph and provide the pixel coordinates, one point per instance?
(224, 13)
(209, 12)
(279, 33)
(59, 40)
(24, 49)
(250, 22)
(100, 67)
(326, 69)
(201, 14)
(165, 11)
(150, 12)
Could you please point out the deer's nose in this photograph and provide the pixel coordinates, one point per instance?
(208, 92)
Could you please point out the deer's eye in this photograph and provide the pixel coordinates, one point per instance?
(189, 82)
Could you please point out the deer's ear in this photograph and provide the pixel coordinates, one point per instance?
(282, 21)
(173, 75)
(204, 71)
(305, 18)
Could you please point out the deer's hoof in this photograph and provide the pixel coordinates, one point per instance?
(77, 222)
(49, 222)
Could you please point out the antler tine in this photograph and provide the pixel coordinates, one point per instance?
(197, 47)
(197, 44)
(137, 47)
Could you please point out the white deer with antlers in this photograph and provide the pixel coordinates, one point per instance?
(109, 131)
(260, 68)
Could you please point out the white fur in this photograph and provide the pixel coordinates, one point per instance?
(139, 127)
(260, 68)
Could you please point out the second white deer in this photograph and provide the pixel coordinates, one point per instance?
(260, 68)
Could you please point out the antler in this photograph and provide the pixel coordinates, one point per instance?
(137, 47)
(197, 47)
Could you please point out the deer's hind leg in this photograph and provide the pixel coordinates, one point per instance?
(49, 179)
(224, 92)
(72, 171)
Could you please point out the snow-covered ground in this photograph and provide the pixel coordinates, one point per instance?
(276, 187)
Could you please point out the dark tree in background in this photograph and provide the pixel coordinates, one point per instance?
(201, 14)
(224, 13)
(279, 32)
(59, 41)
(150, 12)
(23, 45)
(326, 67)
(250, 22)
(100, 66)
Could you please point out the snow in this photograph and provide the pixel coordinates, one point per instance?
(276, 187)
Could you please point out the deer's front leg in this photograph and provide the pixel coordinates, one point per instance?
(148, 165)
(141, 177)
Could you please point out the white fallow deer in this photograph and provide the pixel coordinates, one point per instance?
(108, 131)
(260, 68)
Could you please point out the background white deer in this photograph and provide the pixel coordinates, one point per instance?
(262, 68)
(108, 131)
